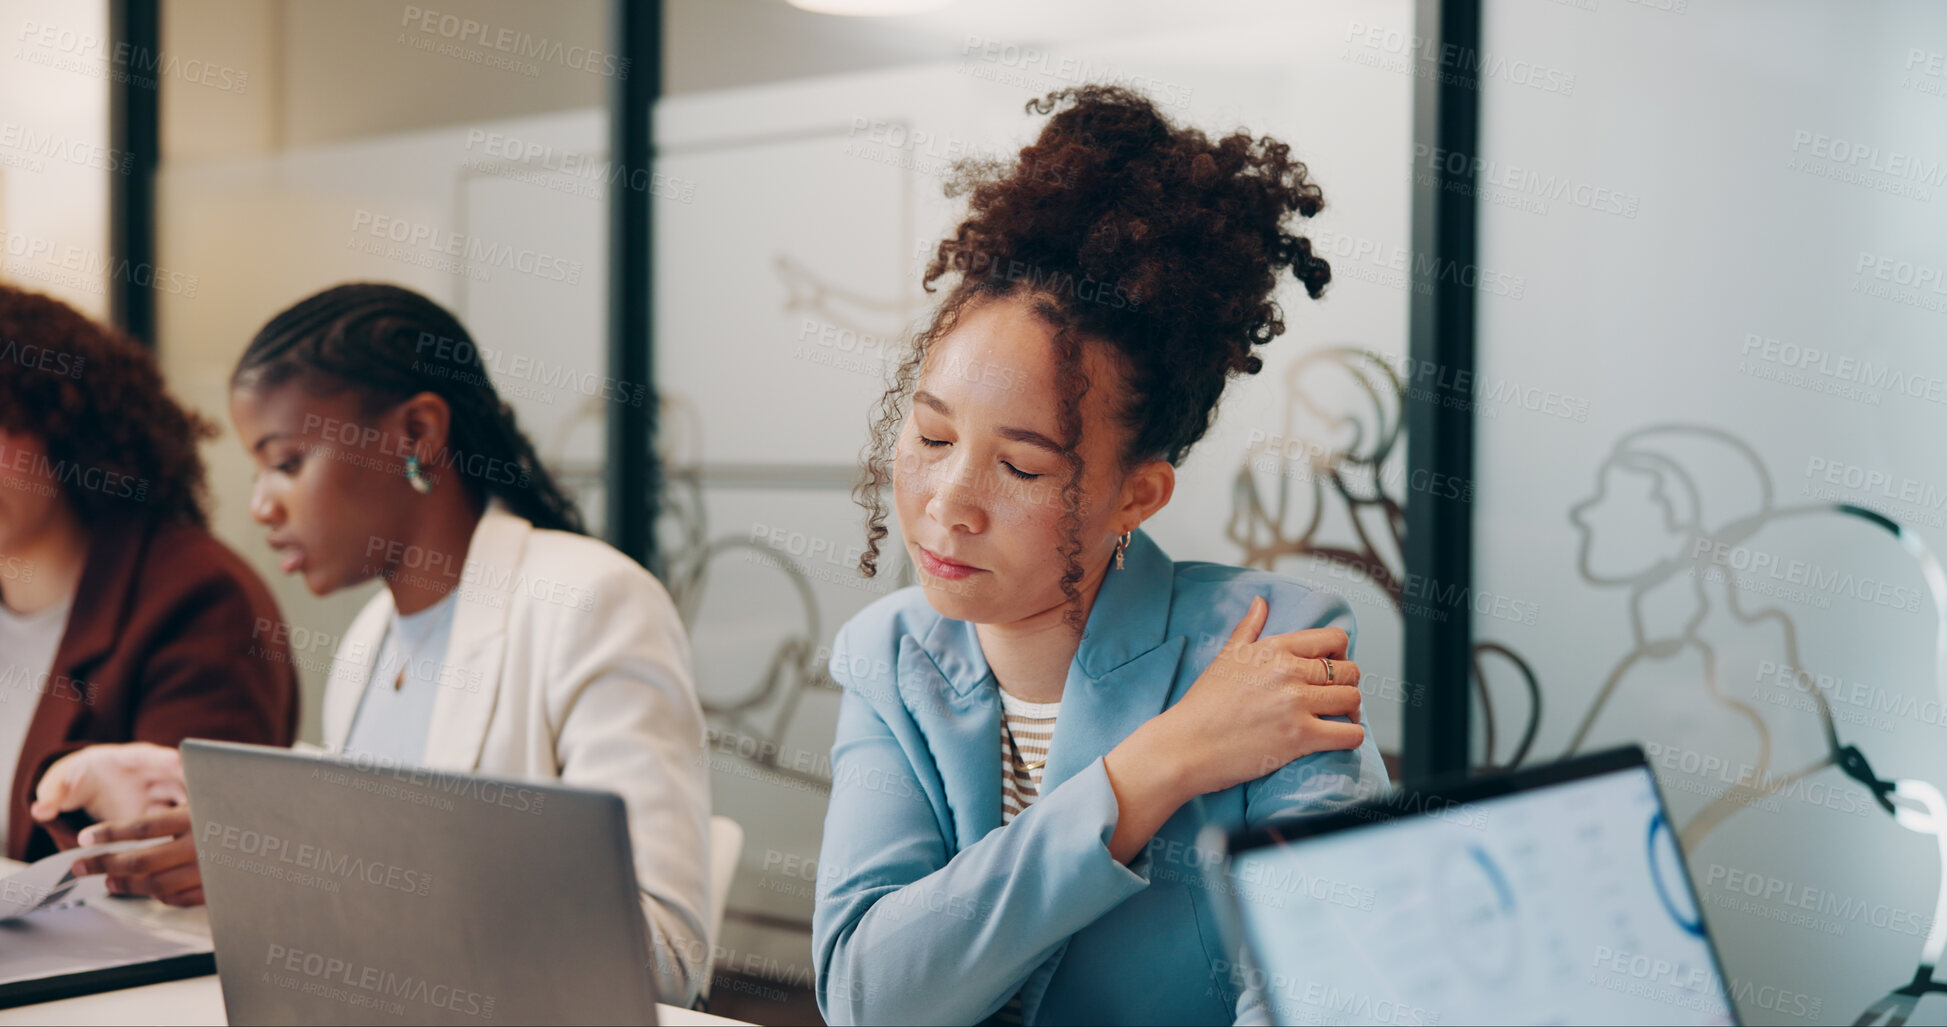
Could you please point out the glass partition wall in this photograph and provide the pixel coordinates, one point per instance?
(1715, 480)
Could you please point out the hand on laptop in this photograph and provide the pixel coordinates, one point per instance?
(167, 872)
(112, 782)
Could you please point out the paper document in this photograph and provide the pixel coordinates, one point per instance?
(45, 882)
(70, 939)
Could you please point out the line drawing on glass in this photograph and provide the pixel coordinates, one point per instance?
(1666, 457)
(807, 291)
(750, 721)
(1344, 415)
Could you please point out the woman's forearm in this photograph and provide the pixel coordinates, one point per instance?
(978, 921)
(1148, 782)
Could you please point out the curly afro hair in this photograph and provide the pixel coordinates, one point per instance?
(1124, 229)
(116, 441)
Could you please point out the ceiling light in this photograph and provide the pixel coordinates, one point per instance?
(869, 8)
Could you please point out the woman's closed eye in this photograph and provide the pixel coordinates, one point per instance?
(1016, 471)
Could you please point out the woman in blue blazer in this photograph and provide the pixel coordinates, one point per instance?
(1031, 739)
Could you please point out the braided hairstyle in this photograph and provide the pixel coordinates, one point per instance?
(389, 344)
(1120, 228)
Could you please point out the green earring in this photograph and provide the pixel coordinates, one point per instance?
(416, 477)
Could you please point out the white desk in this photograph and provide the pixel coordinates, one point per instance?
(197, 1000)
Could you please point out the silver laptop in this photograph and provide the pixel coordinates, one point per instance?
(1556, 895)
(340, 892)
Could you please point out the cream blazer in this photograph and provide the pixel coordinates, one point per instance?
(568, 662)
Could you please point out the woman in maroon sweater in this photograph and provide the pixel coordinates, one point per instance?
(121, 618)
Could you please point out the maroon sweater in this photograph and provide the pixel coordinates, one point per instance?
(171, 636)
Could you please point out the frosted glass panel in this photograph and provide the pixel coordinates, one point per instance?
(1721, 501)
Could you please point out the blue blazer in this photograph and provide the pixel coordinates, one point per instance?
(930, 912)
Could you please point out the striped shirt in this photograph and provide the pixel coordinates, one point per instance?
(1027, 729)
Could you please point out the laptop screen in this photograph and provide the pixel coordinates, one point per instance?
(1559, 902)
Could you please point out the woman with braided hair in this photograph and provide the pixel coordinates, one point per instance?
(504, 641)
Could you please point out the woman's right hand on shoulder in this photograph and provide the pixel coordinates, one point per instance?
(1262, 703)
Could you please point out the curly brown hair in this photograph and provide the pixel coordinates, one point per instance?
(116, 440)
(1118, 227)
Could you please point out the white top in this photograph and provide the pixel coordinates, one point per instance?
(396, 714)
(27, 648)
(1014, 706)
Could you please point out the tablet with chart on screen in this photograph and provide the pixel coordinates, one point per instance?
(1551, 895)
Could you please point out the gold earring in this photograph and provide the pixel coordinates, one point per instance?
(1121, 544)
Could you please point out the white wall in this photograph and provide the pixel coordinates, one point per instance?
(56, 160)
